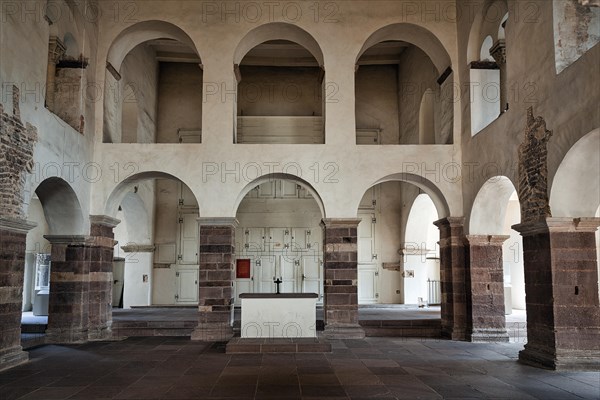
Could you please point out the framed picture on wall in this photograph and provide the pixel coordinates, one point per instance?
(242, 268)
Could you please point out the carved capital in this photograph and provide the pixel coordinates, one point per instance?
(56, 50)
(498, 51)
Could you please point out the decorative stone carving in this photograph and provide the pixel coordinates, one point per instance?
(533, 170)
(498, 51)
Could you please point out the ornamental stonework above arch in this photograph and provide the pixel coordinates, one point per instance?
(533, 170)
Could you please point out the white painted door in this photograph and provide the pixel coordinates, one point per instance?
(266, 272)
(187, 286)
(367, 259)
(188, 238)
(254, 240)
(287, 273)
(312, 276)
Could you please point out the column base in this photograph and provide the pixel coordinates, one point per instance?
(343, 331)
(213, 333)
(489, 336)
(567, 361)
(454, 334)
(12, 357)
(104, 333)
(66, 335)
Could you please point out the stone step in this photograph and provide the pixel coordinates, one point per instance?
(277, 345)
(153, 328)
(427, 328)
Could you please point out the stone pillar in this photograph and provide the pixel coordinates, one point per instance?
(81, 284)
(101, 276)
(561, 286)
(485, 290)
(453, 277)
(13, 235)
(68, 319)
(498, 51)
(340, 253)
(216, 275)
(56, 50)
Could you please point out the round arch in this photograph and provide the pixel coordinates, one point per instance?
(486, 23)
(436, 195)
(142, 32)
(416, 35)
(119, 192)
(61, 206)
(416, 231)
(278, 30)
(270, 177)
(489, 208)
(575, 190)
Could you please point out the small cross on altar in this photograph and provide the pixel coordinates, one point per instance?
(278, 282)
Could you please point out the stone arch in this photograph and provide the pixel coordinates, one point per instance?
(575, 190)
(438, 198)
(278, 30)
(270, 177)
(417, 231)
(489, 208)
(142, 32)
(486, 23)
(416, 35)
(119, 192)
(61, 206)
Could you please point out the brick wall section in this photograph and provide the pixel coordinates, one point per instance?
(486, 321)
(561, 286)
(215, 283)
(453, 277)
(16, 159)
(12, 260)
(340, 252)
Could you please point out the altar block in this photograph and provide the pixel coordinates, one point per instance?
(284, 315)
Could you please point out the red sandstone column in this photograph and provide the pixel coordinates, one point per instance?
(453, 277)
(13, 234)
(486, 320)
(215, 285)
(340, 305)
(101, 276)
(68, 310)
(561, 286)
(81, 284)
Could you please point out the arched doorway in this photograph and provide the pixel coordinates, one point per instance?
(279, 237)
(157, 241)
(495, 210)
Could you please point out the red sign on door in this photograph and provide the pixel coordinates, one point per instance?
(242, 268)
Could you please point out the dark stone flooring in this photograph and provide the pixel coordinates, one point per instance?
(382, 368)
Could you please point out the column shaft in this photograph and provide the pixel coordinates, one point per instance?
(13, 234)
(561, 286)
(217, 254)
(453, 277)
(340, 252)
(485, 289)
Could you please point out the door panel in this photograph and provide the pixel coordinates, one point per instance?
(187, 286)
(189, 239)
(312, 276)
(266, 272)
(367, 264)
